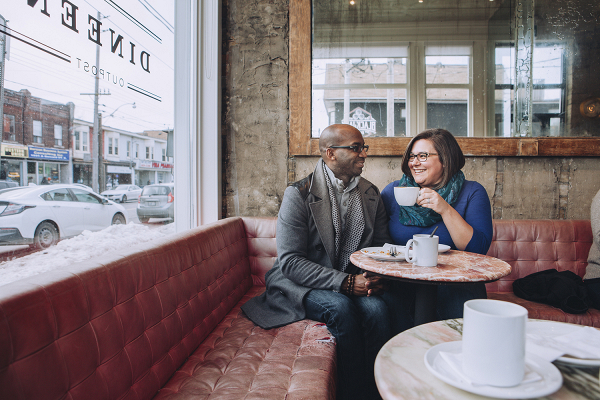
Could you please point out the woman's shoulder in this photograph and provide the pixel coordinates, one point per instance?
(473, 187)
(389, 189)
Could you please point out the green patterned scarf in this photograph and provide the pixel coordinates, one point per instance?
(421, 216)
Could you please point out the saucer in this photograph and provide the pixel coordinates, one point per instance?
(550, 382)
(552, 329)
(383, 253)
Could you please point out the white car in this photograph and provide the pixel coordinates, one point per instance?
(42, 215)
(123, 193)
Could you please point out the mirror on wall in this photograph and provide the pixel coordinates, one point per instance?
(478, 68)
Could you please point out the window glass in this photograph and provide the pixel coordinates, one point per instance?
(57, 195)
(459, 74)
(86, 197)
(58, 139)
(9, 127)
(82, 81)
(37, 131)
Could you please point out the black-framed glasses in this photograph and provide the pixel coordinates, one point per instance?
(357, 148)
(421, 156)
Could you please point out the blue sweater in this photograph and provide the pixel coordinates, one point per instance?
(473, 205)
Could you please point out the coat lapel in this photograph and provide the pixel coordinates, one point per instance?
(370, 200)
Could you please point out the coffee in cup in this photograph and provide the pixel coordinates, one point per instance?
(406, 196)
(424, 251)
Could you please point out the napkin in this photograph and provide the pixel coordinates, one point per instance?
(454, 361)
(580, 343)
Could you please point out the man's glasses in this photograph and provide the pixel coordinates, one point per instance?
(356, 148)
(421, 156)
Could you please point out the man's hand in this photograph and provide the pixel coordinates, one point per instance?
(368, 284)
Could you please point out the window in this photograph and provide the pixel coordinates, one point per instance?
(57, 195)
(77, 136)
(147, 153)
(86, 197)
(37, 131)
(548, 110)
(110, 145)
(85, 138)
(9, 127)
(58, 135)
(164, 154)
(116, 146)
(137, 150)
(152, 152)
(128, 148)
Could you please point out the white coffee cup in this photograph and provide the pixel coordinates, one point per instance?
(424, 250)
(406, 196)
(493, 342)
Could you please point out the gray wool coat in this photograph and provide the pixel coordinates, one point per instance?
(306, 249)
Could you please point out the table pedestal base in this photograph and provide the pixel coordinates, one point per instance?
(425, 304)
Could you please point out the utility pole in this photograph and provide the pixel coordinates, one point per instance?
(2, 70)
(95, 150)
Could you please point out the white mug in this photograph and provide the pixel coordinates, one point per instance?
(406, 196)
(425, 250)
(493, 342)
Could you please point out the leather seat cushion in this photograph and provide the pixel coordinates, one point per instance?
(239, 360)
(544, 311)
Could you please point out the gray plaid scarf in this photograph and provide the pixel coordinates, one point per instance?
(346, 242)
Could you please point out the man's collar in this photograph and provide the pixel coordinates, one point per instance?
(338, 183)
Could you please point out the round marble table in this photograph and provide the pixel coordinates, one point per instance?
(454, 267)
(401, 374)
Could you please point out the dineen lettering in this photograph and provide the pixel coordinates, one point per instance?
(68, 19)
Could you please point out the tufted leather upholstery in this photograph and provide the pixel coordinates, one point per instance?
(121, 326)
(535, 245)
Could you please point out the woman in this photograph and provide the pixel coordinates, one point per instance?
(460, 209)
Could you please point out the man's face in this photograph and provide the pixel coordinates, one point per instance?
(348, 163)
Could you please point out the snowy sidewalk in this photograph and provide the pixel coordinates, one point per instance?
(80, 248)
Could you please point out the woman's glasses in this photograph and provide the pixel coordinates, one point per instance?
(421, 156)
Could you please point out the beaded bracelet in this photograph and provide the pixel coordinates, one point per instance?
(350, 288)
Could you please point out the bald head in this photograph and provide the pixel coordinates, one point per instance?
(335, 134)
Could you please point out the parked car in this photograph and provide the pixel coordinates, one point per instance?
(123, 193)
(156, 201)
(8, 184)
(42, 215)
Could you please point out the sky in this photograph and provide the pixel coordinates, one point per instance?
(52, 53)
(80, 248)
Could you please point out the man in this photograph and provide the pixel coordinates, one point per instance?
(322, 220)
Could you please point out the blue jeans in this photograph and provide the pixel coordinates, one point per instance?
(361, 326)
(450, 302)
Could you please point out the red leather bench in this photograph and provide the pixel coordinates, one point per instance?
(535, 245)
(162, 319)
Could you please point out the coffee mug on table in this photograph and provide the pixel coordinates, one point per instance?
(406, 196)
(493, 342)
(424, 251)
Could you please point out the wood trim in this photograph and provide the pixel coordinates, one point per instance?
(301, 143)
(300, 78)
(493, 147)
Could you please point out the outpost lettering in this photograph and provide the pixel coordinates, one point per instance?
(69, 20)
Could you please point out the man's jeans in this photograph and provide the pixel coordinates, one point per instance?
(361, 326)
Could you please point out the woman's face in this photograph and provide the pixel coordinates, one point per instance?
(426, 173)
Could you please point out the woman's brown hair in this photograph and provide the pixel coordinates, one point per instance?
(449, 152)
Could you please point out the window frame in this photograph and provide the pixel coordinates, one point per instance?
(302, 144)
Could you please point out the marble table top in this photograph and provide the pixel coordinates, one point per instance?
(453, 266)
(400, 371)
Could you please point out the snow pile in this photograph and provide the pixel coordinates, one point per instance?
(83, 247)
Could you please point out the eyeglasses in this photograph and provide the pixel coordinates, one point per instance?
(421, 156)
(356, 148)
